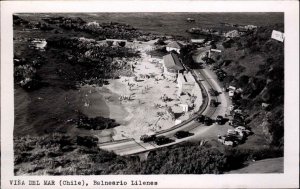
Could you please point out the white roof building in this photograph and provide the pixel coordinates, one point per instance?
(197, 40)
(176, 46)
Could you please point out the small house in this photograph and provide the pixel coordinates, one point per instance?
(231, 88)
(185, 107)
(174, 46)
(38, 44)
(178, 121)
(238, 111)
(185, 82)
(215, 50)
(264, 105)
(197, 41)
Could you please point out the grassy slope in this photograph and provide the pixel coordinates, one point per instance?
(257, 56)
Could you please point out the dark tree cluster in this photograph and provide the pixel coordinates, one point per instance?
(97, 123)
(58, 154)
(92, 63)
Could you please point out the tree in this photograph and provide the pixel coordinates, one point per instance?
(122, 43)
(109, 43)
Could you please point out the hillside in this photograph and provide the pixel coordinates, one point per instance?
(255, 63)
(60, 154)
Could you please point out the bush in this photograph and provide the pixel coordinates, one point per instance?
(87, 141)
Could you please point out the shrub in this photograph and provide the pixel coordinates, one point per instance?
(87, 141)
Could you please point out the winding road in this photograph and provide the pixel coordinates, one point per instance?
(207, 80)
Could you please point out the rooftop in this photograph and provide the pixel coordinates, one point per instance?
(171, 61)
(186, 78)
(175, 44)
(197, 40)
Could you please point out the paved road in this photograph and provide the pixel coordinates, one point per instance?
(208, 80)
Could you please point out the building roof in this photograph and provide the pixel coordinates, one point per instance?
(186, 78)
(175, 44)
(171, 61)
(189, 77)
(197, 40)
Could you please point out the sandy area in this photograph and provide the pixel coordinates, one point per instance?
(142, 99)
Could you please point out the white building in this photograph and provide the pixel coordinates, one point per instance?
(185, 107)
(186, 83)
(231, 91)
(197, 41)
(172, 66)
(174, 46)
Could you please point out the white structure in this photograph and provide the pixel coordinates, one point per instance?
(264, 105)
(239, 111)
(231, 132)
(178, 121)
(215, 50)
(240, 128)
(228, 143)
(176, 46)
(155, 60)
(39, 44)
(185, 82)
(116, 41)
(197, 41)
(231, 88)
(185, 107)
(277, 35)
(172, 66)
(233, 33)
(190, 19)
(94, 23)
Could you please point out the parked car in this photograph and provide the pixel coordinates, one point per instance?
(243, 130)
(207, 121)
(228, 140)
(160, 140)
(148, 138)
(213, 92)
(214, 103)
(200, 119)
(219, 119)
(182, 134)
